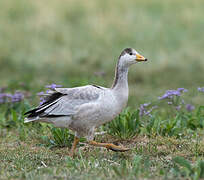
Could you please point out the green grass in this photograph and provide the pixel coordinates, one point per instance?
(75, 43)
(68, 39)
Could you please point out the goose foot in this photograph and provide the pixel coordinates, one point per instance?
(117, 148)
(110, 146)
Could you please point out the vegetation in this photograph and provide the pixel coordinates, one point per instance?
(75, 43)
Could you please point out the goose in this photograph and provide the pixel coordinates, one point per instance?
(83, 109)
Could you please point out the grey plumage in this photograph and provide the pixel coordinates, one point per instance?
(65, 101)
(82, 109)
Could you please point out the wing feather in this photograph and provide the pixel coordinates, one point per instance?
(66, 101)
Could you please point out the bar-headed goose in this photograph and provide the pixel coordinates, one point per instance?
(82, 109)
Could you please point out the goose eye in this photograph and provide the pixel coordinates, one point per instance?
(130, 54)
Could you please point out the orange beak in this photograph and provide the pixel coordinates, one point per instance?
(140, 58)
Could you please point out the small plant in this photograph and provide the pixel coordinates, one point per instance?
(10, 98)
(173, 125)
(126, 125)
(174, 98)
(184, 168)
(61, 137)
(177, 119)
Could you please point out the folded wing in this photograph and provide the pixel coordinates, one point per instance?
(65, 101)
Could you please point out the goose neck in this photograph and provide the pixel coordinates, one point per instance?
(121, 78)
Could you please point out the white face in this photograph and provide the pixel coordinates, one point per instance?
(131, 57)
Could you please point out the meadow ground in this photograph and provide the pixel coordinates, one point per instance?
(77, 42)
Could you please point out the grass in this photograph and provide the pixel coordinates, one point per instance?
(126, 125)
(75, 43)
(165, 143)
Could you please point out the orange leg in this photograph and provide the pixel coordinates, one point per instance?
(110, 146)
(76, 141)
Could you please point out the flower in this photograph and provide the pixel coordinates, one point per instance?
(190, 107)
(182, 101)
(40, 93)
(201, 89)
(146, 104)
(53, 86)
(182, 90)
(149, 111)
(178, 107)
(169, 94)
(143, 111)
(18, 96)
(42, 100)
(7, 97)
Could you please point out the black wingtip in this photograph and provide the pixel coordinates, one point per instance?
(31, 111)
(48, 102)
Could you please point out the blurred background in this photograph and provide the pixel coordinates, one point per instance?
(77, 42)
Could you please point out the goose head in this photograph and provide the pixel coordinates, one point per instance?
(130, 56)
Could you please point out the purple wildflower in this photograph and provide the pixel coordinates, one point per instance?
(201, 89)
(40, 93)
(48, 91)
(53, 86)
(144, 111)
(178, 108)
(182, 90)
(190, 107)
(149, 111)
(170, 103)
(182, 101)
(146, 104)
(169, 94)
(2, 95)
(7, 97)
(18, 96)
(42, 100)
